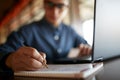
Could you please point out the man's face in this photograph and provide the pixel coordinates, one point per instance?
(55, 10)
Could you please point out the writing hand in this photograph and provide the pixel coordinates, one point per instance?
(25, 58)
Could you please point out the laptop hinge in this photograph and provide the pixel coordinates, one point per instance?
(98, 60)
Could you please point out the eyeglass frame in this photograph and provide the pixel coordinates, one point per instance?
(60, 6)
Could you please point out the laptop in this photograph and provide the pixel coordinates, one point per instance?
(106, 39)
(106, 44)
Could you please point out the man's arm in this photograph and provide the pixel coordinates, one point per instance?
(7, 48)
(14, 55)
(82, 48)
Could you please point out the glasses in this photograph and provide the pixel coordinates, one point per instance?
(60, 6)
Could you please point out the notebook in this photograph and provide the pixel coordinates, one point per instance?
(64, 71)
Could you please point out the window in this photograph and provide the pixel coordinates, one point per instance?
(81, 17)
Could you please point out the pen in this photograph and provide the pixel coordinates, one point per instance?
(44, 64)
(44, 60)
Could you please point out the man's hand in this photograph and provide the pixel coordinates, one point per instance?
(82, 51)
(25, 58)
(85, 50)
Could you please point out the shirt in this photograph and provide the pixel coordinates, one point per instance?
(43, 36)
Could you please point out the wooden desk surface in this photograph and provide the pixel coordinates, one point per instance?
(110, 71)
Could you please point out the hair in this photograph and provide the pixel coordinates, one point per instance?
(68, 1)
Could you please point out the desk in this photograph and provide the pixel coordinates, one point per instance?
(111, 71)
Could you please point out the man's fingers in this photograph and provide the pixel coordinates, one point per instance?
(81, 48)
(43, 55)
(35, 64)
(32, 63)
(89, 50)
(32, 52)
(85, 49)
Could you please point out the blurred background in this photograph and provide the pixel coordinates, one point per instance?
(15, 13)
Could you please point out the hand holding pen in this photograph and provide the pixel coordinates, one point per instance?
(26, 58)
(43, 61)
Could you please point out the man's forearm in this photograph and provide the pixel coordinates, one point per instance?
(3, 65)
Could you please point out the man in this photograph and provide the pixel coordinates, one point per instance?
(48, 39)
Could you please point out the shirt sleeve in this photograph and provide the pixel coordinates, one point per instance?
(78, 39)
(14, 41)
(12, 44)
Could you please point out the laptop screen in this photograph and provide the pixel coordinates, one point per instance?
(106, 29)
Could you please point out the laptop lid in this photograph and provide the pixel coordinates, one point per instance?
(106, 39)
(106, 42)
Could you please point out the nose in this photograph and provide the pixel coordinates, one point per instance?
(55, 11)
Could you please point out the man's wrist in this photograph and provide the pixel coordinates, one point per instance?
(8, 60)
(3, 65)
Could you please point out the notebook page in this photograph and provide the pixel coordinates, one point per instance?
(69, 70)
(66, 68)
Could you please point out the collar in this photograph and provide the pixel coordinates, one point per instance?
(50, 26)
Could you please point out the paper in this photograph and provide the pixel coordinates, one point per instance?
(63, 71)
